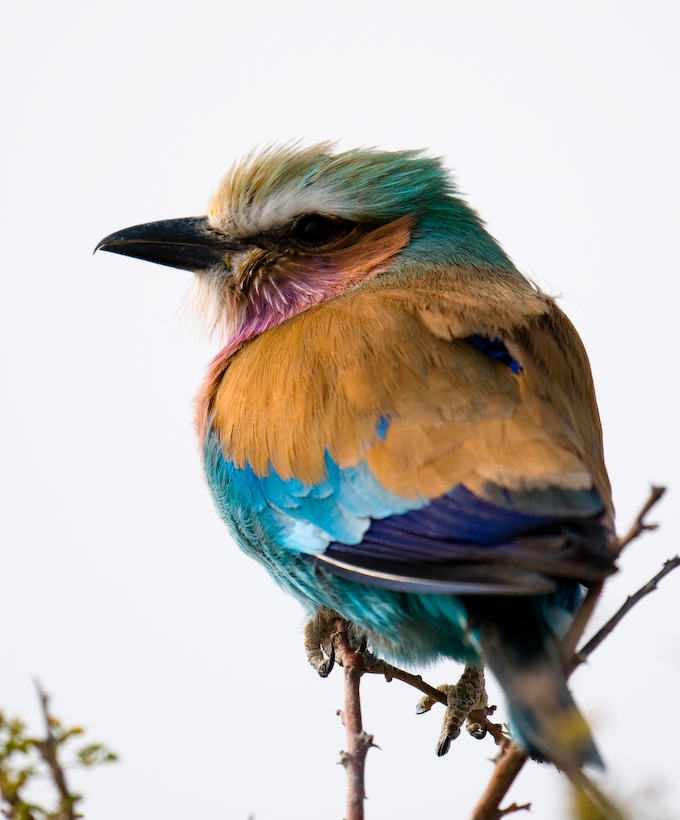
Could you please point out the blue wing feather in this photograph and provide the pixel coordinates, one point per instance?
(351, 516)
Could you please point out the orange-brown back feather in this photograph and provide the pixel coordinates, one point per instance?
(399, 347)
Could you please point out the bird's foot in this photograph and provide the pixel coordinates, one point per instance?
(318, 640)
(319, 645)
(463, 699)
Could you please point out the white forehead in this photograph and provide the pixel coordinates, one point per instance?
(243, 217)
(267, 191)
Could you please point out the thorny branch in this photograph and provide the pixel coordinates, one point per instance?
(21, 756)
(630, 602)
(377, 666)
(48, 751)
(506, 770)
(358, 741)
(639, 525)
(587, 608)
(508, 766)
(511, 757)
(513, 808)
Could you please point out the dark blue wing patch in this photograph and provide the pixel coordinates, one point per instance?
(496, 349)
(457, 525)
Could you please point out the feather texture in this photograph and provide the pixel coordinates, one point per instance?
(457, 416)
(399, 426)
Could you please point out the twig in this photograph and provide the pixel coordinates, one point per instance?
(513, 808)
(48, 752)
(579, 624)
(510, 763)
(507, 768)
(585, 612)
(631, 600)
(19, 808)
(358, 741)
(481, 716)
(377, 666)
(639, 526)
(512, 757)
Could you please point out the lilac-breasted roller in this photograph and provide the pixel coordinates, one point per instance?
(399, 426)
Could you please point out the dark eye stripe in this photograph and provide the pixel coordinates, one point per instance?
(315, 230)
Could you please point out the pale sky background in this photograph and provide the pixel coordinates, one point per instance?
(119, 586)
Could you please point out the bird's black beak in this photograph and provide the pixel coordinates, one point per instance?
(189, 244)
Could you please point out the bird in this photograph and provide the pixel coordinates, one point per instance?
(399, 425)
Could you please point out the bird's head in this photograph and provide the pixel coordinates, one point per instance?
(291, 227)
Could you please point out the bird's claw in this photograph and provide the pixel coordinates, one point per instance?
(319, 641)
(425, 704)
(463, 698)
(324, 669)
(475, 728)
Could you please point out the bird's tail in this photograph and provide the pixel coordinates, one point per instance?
(523, 654)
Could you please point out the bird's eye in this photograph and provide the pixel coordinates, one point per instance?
(316, 230)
